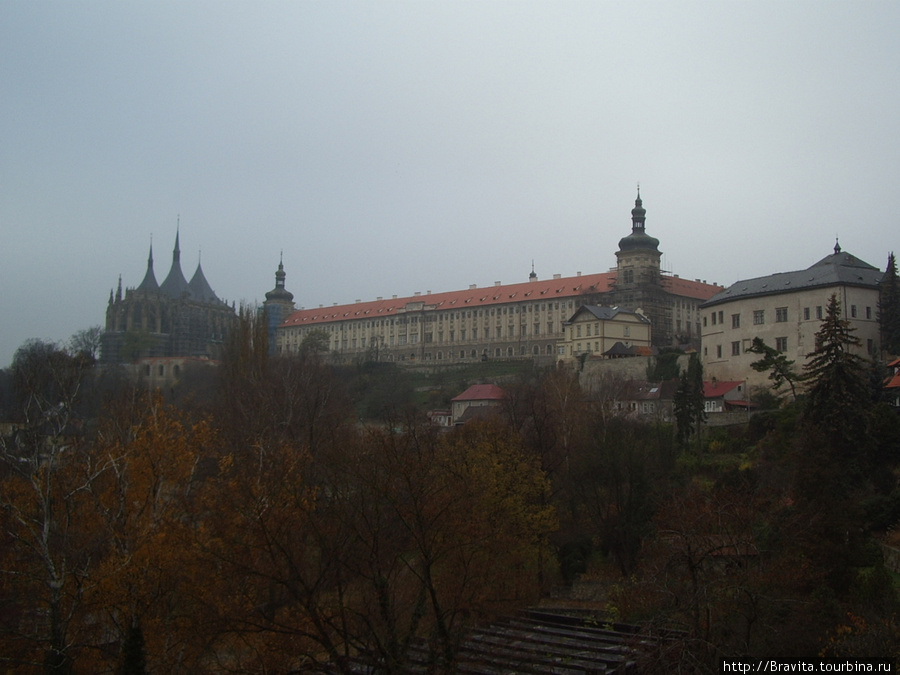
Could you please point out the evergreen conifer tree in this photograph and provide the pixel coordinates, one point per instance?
(839, 397)
(781, 369)
(689, 411)
(889, 308)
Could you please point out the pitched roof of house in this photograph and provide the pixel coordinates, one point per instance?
(716, 389)
(893, 381)
(481, 392)
(838, 269)
(641, 390)
(474, 297)
(607, 313)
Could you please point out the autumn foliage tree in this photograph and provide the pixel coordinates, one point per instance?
(44, 470)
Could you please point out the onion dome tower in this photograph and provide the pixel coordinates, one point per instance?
(278, 306)
(638, 255)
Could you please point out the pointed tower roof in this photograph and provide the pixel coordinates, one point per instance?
(201, 291)
(175, 285)
(149, 283)
(279, 293)
(638, 239)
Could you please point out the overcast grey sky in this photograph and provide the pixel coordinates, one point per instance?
(395, 147)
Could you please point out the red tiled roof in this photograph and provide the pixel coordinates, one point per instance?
(547, 289)
(698, 290)
(482, 392)
(716, 389)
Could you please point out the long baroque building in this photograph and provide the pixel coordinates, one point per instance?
(177, 318)
(520, 320)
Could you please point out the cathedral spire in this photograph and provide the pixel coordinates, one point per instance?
(149, 283)
(176, 252)
(175, 285)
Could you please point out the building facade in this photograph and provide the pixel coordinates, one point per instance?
(522, 320)
(172, 319)
(786, 311)
(596, 331)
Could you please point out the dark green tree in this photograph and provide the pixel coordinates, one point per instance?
(838, 393)
(315, 342)
(689, 404)
(889, 308)
(780, 368)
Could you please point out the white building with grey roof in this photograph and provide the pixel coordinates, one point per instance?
(786, 311)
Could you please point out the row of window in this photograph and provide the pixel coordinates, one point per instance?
(498, 352)
(781, 316)
(781, 345)
(596, 325)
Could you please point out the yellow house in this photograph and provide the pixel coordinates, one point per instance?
(596, 330)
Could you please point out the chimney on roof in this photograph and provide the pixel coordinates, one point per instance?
(393, 297)
(379, 298)
(358, 300)
(557, 276)
(577, 274)
(496, 283)
(427, 292)
(472, 287)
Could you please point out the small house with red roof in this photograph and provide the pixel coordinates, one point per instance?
(724, 396)
(892, 384)
(475, 401)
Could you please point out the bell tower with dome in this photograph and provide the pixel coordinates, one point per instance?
(639, 281)
(638, 255)
(278, 305)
